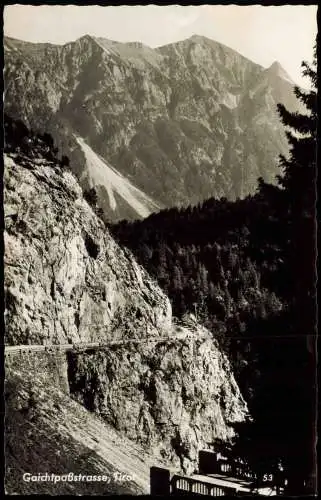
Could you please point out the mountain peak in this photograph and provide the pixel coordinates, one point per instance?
(201, 39)
(86, 38)
(197, 38)
(277, 69)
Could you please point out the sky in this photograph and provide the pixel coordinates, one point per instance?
(263, 34)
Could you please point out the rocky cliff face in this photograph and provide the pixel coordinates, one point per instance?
(67, 281)
(182, 122)
(174, 398)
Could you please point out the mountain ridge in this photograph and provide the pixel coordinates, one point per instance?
(196, 38)
(182, 122)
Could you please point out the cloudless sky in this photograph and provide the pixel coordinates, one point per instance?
(264, 34)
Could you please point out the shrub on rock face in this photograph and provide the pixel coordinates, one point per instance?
(48, 140)
(15, 131)
(19, 139)
(90, 196)
(64, 162)
(91, 246)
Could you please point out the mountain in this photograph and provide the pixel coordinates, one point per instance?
(276, 70)
(176, 124)
(68, 282)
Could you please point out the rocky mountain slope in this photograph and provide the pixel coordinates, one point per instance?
(181, 123)
(67, 281)
(48, 432)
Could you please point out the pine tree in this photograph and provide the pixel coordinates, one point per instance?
(283, 407)
(145, 254)
(299, 184)
(177, 277)
(297, 393)
(64, 162)
(91, 197)
(202, 280)
(299, 170)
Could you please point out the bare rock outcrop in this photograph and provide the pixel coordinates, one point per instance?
(68, 281)
(66, 278)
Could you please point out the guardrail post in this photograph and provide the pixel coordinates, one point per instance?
(160, 481)
(207, 462)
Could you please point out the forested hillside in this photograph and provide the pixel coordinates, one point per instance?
(247, 270)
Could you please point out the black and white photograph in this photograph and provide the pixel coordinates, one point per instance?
(160, 250)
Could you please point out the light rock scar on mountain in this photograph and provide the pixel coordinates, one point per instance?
(181, 123)
(66, 280)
